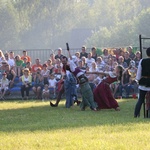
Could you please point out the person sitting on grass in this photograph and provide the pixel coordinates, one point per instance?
(4, 86)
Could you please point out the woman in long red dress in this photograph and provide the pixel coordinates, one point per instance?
(102, 94)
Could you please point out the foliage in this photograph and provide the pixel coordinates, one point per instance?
(49, 24)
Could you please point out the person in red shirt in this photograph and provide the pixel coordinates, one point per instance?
(36, 66)
(25, 55)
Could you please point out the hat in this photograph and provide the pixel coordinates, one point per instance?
(26, 69)
(4, 73)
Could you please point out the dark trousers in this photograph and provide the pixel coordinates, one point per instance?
(139, 102)
(24, 88)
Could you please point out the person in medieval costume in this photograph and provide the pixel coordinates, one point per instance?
(143, 77)
(86, 92)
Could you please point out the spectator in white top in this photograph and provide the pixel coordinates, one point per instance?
(4, 85)
(11, 62)
(100, 64)
(52, 84)
(89, 60)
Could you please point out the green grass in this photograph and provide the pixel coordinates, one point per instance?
(34, 125)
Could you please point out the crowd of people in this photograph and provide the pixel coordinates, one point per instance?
(51, 76)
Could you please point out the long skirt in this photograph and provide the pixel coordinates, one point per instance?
(104, 98)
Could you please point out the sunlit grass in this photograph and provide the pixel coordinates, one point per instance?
(34, 125)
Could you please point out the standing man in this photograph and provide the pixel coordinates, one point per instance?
(143, 76)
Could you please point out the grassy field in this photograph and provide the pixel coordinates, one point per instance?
(34, 125)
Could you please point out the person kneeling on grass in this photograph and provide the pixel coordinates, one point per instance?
(4, 85)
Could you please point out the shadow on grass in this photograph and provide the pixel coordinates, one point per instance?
(46, 118)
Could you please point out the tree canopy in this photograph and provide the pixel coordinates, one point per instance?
(50, 24)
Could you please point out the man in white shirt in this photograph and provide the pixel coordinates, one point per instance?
(10, 62)
(143, 76)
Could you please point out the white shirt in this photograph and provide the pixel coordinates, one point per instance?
(89, 61)
(11, 62)
(139, 75)
(52, 82)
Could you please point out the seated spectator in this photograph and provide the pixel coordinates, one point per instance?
(26, 79)
(89, 60)
(45, 74)
(105, 55)
(2, 58)
(4, 85)
(18, 64)
(94, 54)
(2, 68)
(81, 66)
(83, 52)
(11, 62)
(45, 93)
(59, 54)
(25, 60)
(52, 58)
(38, 84)
(93, 67)
(127, 59)
(52, 84)
(110, 64)
(28, 65)
(131, 54)
(77, 54)
(25, 55)
(58, 66)
(119, 52)
(50, 66)
(36, 66)
(12, 56)
(137, 58)
(84, 61)
(121, 62)
(133, 72)
(11, 75)
(125, 84)
(100, 64)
